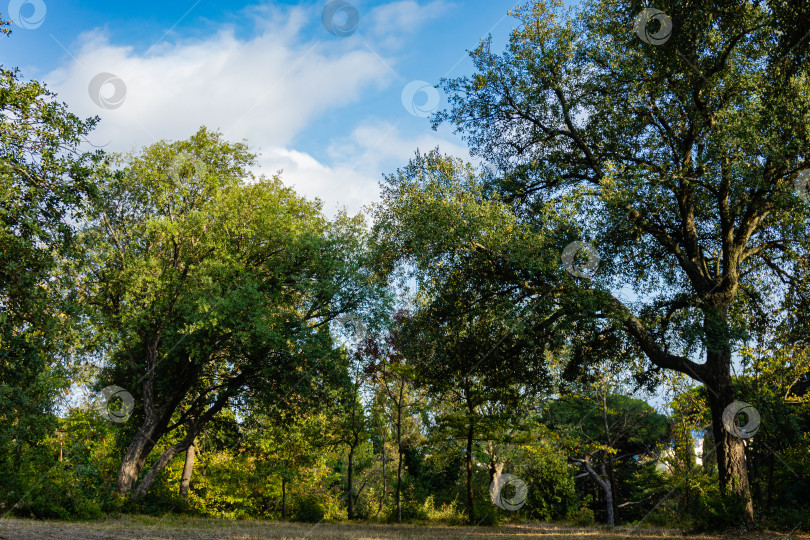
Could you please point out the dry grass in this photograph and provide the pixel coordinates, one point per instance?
(175, 528)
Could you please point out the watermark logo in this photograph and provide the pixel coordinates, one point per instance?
(500, 488)
(643, 24)
(353, 325)
(340, 18)
(109, 407)
(420, 98)
(572, 259)
(28, 14)
(99, 90)
(741, 420)
(187, 165)
(802, 185)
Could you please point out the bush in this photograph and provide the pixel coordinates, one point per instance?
(309, 510)
(61, 493)
(582, 516)
(717, 513)
(786, 519)
(551, 491)
(447, 513)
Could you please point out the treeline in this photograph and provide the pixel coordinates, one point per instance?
(179, 333)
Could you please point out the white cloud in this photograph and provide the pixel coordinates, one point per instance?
(359, 161)
(390, 23)
(266, 89)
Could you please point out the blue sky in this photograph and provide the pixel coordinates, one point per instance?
(326, 109)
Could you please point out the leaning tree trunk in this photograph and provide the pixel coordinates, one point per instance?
(133, 461)
(159, 465)
(156, 419)
(604, 483)
(188, 468)
(730, 451)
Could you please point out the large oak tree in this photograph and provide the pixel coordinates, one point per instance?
(685, 155)
(681, 161)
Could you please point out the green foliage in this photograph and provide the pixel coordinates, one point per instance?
(787, 519)
(208, 293)
(78, 487)
(63, 492)
(551, 491)
(583, 516)
(309, 509)
(448, 513)
(44, 186)
(717, 513)
(209, 285)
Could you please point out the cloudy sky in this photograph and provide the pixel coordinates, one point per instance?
(333, 93)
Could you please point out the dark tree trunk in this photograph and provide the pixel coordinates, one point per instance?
(470, 507)
(731, 464)
(399, 453)
(382, 496)
(158, 466)
(154, 427)
(399, 485)
(135, 457)
(350, 487)
(188, 468)
(495, 466)
(770, 481)
(283, 498)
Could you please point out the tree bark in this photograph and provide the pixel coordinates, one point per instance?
(603, 483)
(135, 457)
(611, 476)
(151, 475)
(731, 464)
(495, 466)
(283, 498)
(399, 452)
(470, 506)
(154, 427)
(350, 487)
(715, 374)
(188, 468)
(382, 496)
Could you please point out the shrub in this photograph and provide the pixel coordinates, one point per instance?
(61, 493)
(582, 516)
(717, 513)
(551, 491)
(309, 510)
(786, 519)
